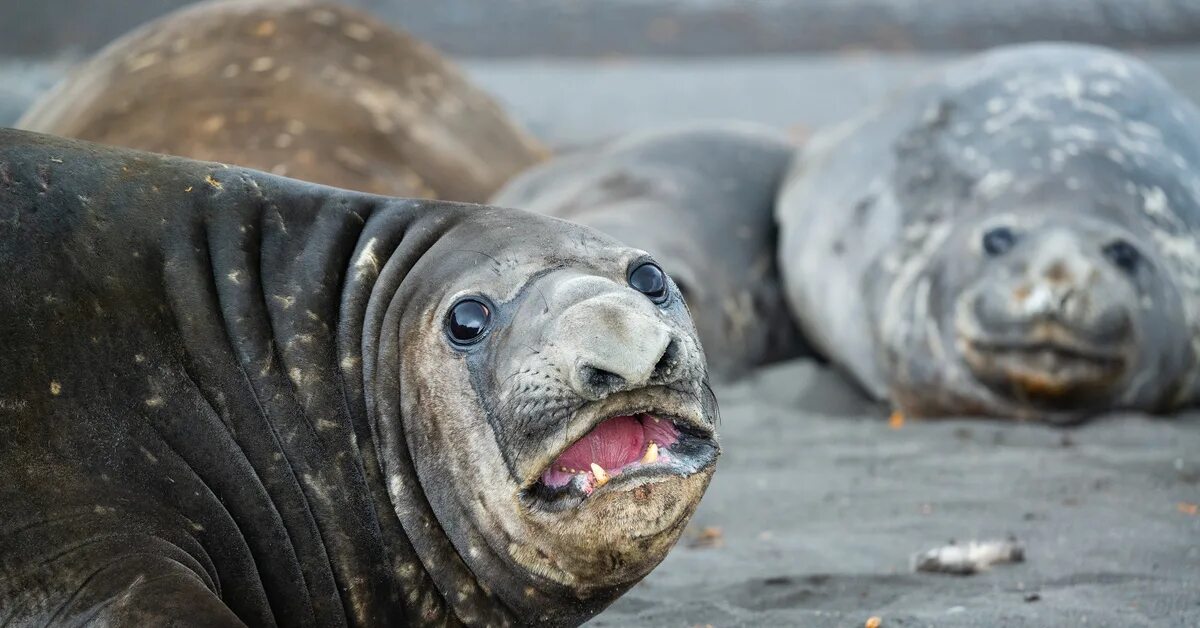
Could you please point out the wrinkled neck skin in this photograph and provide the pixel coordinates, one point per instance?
(923, 292)
(307, 294)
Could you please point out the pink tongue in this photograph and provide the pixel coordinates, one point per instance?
(612, 445)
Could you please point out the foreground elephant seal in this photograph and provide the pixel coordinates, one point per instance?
(701, 198)
(318, 92)
(228, 396)
(1017, 238)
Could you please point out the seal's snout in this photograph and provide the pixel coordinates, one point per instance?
(629, 376)
(610, 343)
(1057, 284)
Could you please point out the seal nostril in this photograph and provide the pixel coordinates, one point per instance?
(669, 358)
(1022, 292)
(1058, 273)
(601, 381)
(1066, 298)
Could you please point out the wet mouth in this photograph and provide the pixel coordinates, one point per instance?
(621, 453)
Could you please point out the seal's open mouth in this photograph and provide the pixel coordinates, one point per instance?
(618, 444)
(623, 452)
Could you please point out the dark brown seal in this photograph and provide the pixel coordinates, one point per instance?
(318, 92)
(231, 398)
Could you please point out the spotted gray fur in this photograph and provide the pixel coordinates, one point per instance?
(1069, 147)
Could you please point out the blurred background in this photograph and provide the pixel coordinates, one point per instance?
(574, 71)
(846, 511)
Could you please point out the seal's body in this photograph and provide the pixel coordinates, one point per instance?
(700, 198)
(318, 92)
(1017, 237)
(227, 396)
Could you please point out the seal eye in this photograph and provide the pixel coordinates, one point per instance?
(1124, 255)
(998, 241)
(649, 280)
(468, 320)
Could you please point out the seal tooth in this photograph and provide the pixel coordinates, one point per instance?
(651, 454)
(600, 474)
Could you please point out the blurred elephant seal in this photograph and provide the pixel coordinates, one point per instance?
(1016, 237)
(313, 91)
(701, 199)
(230, 398)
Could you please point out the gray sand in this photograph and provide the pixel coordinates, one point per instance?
(821, 504)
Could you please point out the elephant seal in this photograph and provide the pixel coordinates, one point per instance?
(701, 198)
(1016, 237)
(232, 398)
(313, 91)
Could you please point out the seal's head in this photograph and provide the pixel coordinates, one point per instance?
(1051, 306)
(555, 406)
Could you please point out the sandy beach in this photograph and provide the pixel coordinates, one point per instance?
(820, 502)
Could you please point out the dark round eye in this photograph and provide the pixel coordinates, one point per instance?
(649, 280)
(999, 240)
(1123, 254)
(468, 320)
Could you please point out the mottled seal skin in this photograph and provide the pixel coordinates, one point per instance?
(1016, 237)
(313, 91)
(227, 396)
(701, 198)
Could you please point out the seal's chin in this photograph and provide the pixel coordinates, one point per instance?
(608, 496)
(622, 453)
(1048, 374)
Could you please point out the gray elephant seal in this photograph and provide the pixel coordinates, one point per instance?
(701, 198)
(231, 397)
(313, 91)
(1017, 238)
